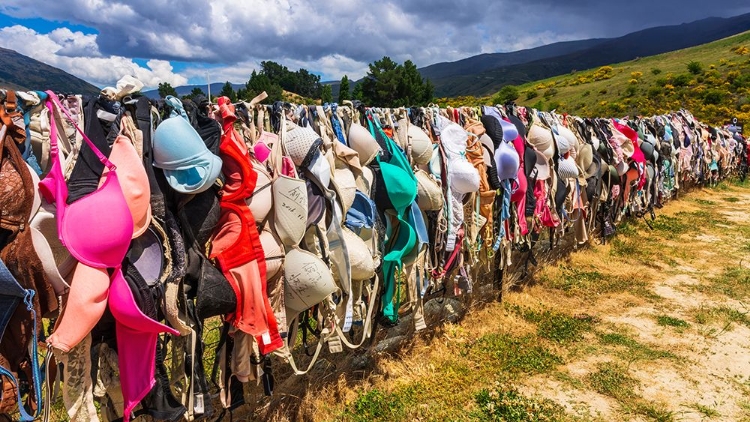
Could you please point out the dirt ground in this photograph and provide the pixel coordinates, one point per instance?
(652, 325)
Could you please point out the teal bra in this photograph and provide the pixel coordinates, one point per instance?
(401, 187)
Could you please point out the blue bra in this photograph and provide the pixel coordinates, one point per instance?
(11, 296)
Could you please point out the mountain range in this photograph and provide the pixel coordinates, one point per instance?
(186, 89)
(23, 73)
(487, 73)
(478, 75)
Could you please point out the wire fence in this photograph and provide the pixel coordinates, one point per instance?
(258, 406)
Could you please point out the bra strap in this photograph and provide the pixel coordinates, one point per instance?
(102, 157)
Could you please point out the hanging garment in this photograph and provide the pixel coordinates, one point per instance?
(136, 333)
(236, 243)
(23, 275)
(400, 186)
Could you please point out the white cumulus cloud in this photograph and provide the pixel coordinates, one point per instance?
(78, 53)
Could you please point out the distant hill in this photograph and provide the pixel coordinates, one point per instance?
(711, 80)
(716, 88)
(638, 44)
(23, 73)
(186, 89)
(489, 61)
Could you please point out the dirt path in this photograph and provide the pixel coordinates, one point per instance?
(655, 325)
(694, 309)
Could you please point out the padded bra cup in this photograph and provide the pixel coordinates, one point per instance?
(405, 241)
(126, 312)
(401, 187)
(92, 233)
(97, 228)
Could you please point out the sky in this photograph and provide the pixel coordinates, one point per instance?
(192, 41)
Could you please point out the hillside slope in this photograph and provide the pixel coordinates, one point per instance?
(718, 90)
(638, 44)
(24, 73)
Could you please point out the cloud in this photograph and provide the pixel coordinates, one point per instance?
(341, 36)
(78, 53)
(230, 37)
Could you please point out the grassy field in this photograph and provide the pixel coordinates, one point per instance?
(652, 326)
(715, 88)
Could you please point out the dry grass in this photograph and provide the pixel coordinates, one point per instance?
(620, 331)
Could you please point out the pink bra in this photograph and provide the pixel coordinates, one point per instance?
(97, 230)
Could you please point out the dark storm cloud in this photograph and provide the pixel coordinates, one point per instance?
(241, 31)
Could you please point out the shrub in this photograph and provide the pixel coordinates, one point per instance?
(630, 91)
(603, 91)
(654, 92)
(713, 96)
(655, 71)
(636, 75)
(604, 72)
(662, 81)
(741, 81)
(550, 93)
(507, 94)
(695, 67)
(531, 95)
(586, 94)
(681, 80)
(616, 107)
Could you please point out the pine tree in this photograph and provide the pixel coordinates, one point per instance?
(326, 96)
(357, 93)
(344, 90)
(165, 89)
(260, 82)
(228, 91)
(390, 84)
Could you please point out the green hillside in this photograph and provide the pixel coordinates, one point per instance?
(711, 80)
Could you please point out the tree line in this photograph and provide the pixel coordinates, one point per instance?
(387, 84)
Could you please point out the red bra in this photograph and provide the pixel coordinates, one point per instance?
(236, 243)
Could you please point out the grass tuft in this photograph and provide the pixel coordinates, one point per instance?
(705, 202)
(668, 321)
(518, 354)
(509, 405)
(673, 226)
(560, 328)
(633, 349)
(613, 380)
(654, 411)
(379, 405)
(588, 281)
(706, 411)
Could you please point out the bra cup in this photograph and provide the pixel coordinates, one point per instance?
(133, 181)
(98, 227)
(406, 239)
(261, 200)
(126, 312)
(136, 339)
(401, 188)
